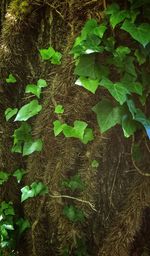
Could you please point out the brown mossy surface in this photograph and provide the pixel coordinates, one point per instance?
(115, 195)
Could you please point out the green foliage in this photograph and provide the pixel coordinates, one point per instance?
(73, 213)
(89, 84)
(36, 88)
(74, 183)
(95, 164)
(9, 113)
(11, 79)
(11, 227)
(19, 174)
(59, 109)
(4, 176)
(35, 189)
(29, 110)
(79, 130)
(50, 54)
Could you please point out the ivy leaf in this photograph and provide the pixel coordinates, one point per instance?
(36, 188)
(135, 87)
(132, 107)
(107, 115)
(23, 133)
(141, 58)
(117, 90)
(95, 164)
(75, 183)
(128, 125)
(4, 176)
(10, 112)
(19, 173)
(87, 67)
(58, 127)
(100, 30)
(89, 84)
(46, 54)
(34, 89)
(73, 213)
(139, 33)
(23, 224)
(88, 136)
(141, 118)
(29, 110)
(32, 146)
(41, 83)
(11, 79)
(77, 131)
(116, 16)
(56, 58)
(121, 52)
(89, 26)
(59, 109)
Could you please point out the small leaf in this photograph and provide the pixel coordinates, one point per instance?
(141, 118)
(77, 131)
(139, 33)
(46, 54)
(10, 112)
(132, 107)
(36, 188)
(100, 30)
(129, 126)
(4, 176)
(89, 84)
(11, 79)
(59, 109)
(73, 213)
(23, 224)
(95, 164)
(56, 58)
(121, 52)
(107, 115)
(75, 183)
(29, 110)
(58, 127)
(88, 136)
(140, 57)
(34, 89)
(41, 83)
(19, 173)
(32, 146)
(26, 193)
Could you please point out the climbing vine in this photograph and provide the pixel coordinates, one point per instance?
(106, 64)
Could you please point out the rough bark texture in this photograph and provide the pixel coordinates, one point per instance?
(116, 189)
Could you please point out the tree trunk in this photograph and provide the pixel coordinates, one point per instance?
(116, 195)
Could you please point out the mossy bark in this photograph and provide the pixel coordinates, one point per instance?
(115, 194)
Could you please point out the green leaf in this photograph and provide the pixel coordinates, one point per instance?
(19, 173)
(41, 83)
(56, 58)
(87, 67)
(59, 109)
(135, 87)
(73, 214)
(107, 115)
(129, 126)
(132, 107)
(100, 30)
(23, 225)
(34, 89)
(121, 52)
(74, 183)
(139, 33)
(11, 79)
(89, 84)
(77, 131)
(88, 28)
(29, 110)
(95, 164)
(10, 112)
(36, 188)
(141, 58)
(32, 146)
(88, 136)
(117, 90)
(23, 133)
(58, 127)
(4, 176)
(141, 118)
(46, 54)
(116, 16)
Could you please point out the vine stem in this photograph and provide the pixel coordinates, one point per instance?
(77, 199)
(134, 163)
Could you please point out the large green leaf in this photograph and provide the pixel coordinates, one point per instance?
(117, 90)
(36, 188)
(29, 110)
(87, 67)
(77, 131)
(139, 33)
(116, 16)
(107, 115)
